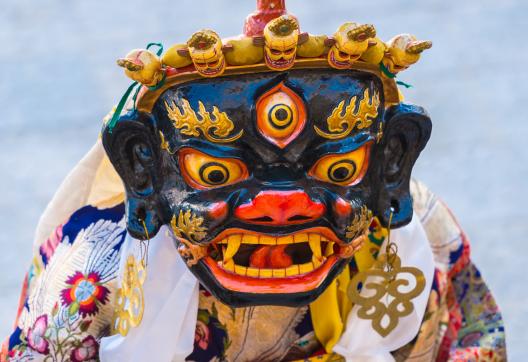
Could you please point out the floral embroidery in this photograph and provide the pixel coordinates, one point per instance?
(84, 294)
(88, 350)
(36, 338)
(87, 248)
(201, 335)
(58, 338)
(208, 326)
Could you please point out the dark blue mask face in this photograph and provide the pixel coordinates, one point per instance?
(268, 181)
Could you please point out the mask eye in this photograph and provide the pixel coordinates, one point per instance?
(344, 169)
(280, 115)
(214, 173)
(202, 171)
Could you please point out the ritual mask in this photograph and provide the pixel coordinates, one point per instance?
(268, 181)
(205, 49)
(281, 36)
(351, 41)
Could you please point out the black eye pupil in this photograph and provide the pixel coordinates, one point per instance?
(342, 170)
(341, 173)
(281, 114)
(216, 177)
(214, 173)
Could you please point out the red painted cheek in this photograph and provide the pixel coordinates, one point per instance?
(342, 207)
(218, 210)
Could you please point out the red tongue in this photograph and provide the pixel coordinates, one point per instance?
(270, 257)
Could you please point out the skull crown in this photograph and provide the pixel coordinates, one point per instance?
(205, 50)
(272, 39)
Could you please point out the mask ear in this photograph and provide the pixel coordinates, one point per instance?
(132, 148)
(407, 130)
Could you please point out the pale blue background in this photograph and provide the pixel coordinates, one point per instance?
(59, 78)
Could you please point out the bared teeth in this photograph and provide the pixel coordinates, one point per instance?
(285, 240)
(293, 270)
(306, 267)
(230, 265)
(268, 240)
(317, 262)
(265, 273)
(329, 248)
(272, 240)
(300, 238)
(278, 273)
(277, 266)
(250, 239)
(315, 244)
(233, 243)
(242, 270)
(252, 272)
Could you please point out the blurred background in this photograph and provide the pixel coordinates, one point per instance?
(59, 79)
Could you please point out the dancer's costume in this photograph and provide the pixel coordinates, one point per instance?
(250, 199)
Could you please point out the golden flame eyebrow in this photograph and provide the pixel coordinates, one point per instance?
(343, 119)
(215, 127)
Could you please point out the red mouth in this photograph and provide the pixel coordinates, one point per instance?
(280, 64)
(211, 72)
(338, 64)
(249, 262)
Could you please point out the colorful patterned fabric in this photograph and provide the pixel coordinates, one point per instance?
(68, 301)
(462, 321)
(68, 294)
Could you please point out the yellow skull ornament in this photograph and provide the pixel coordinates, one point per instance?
(351, 40)
(403, 51)
(281, 37)
(205, 49)
(143, 66)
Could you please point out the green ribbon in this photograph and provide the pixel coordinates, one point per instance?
(160, 83)
(391, 75)
(159, 45)
(120, 107)
(386, 71)
(125, 96)
(406, 85)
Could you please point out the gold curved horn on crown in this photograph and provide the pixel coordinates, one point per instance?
(129, 65)
(362, 32)
(418, 46)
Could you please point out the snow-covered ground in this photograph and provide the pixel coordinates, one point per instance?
(59, 78)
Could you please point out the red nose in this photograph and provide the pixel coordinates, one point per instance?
(280, 208)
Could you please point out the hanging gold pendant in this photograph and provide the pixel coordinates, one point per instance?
(386, 296)
(130, 303)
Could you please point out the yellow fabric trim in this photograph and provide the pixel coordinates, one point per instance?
(363, 256)
(331, 357)
(107, 188)
(400, 95)
(329, 312)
